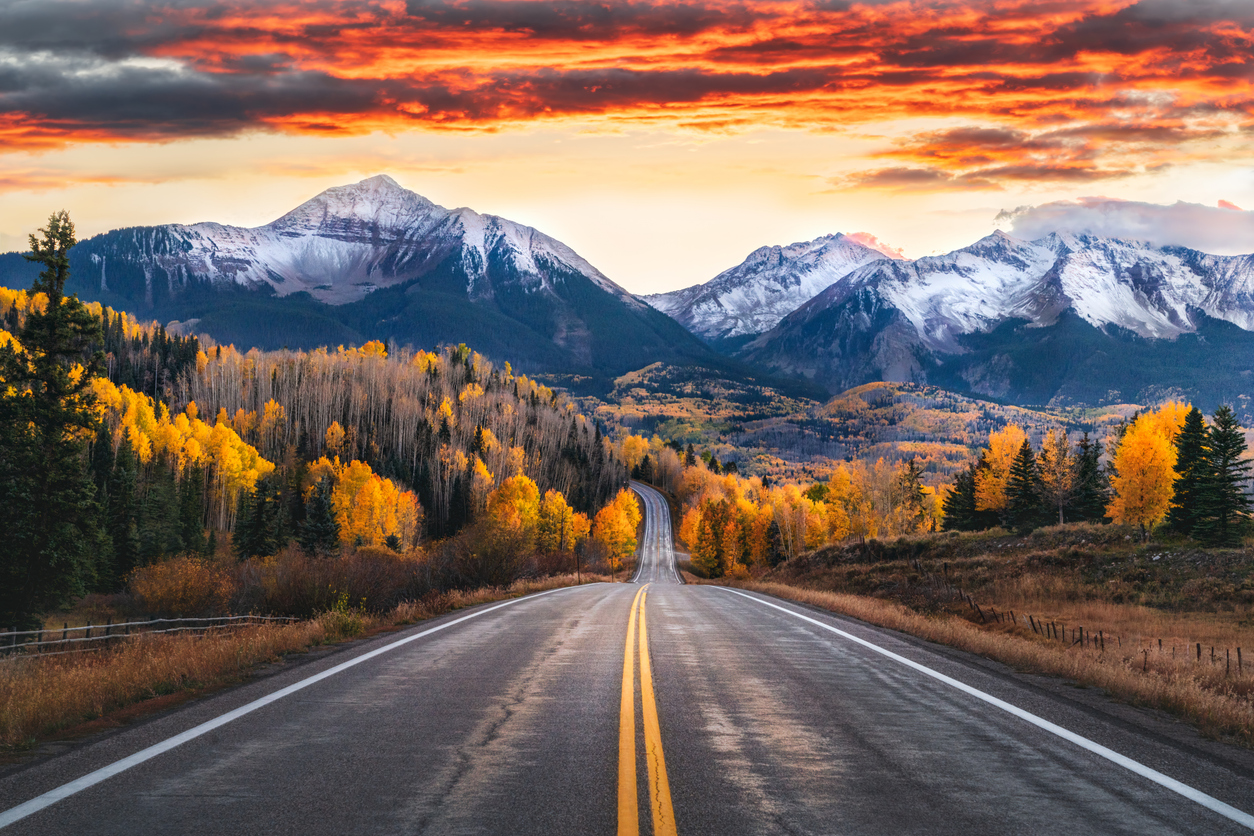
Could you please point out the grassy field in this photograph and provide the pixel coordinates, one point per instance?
(47, 697)
(1086, 602)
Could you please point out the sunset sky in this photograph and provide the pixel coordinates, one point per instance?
(663, 141)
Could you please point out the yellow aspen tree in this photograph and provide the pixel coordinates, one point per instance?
(1144, 466)
(335, 439)
(633, 450)
(1056, 466)
(731, 544)
(580, 529)
(514, 510)
(990, 482)
(688, 527)
(555, 531)
(760, 535)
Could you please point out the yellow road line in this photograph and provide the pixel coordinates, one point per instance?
(628, 800)
(659, 786)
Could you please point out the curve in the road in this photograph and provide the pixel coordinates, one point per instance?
(657, 552)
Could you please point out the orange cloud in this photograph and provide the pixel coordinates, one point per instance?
(1069, 90)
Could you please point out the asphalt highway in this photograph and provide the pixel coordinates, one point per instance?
(642, 707)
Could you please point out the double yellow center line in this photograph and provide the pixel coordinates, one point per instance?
(659, 786)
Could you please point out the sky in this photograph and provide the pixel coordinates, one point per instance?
(664, 141)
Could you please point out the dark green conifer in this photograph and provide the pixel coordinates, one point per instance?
(192, 510)
(1092, 485)
(320, 533)
(1191, 467)
(49, 518)
(959, 505)
(1223, 506)
(1023, 493)
(257, 525)
(120, 515)
(774, 544)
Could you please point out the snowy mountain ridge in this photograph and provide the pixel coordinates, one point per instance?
(1155, 292)
(768, 285)
(351, 240)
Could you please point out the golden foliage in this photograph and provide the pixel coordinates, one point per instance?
(186, 441)
(615, 527)
(990, 481)
(1144, 463)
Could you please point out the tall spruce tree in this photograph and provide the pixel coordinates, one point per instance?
(959, 505)
(1223, 506)
(120, 515)
(320, 532)
(49, 520)
(1191, 470)
(1023, 492)
(257, 526)
(1092, 483)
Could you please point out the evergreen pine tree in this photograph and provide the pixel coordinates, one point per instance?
(959, 505)
(320, 533)
(1023, 492)
(1092, 484)
(774, 544)
(159, 523)
(257, 526)
(192, 509)
(1223, 506)
(102, 460)
(120, 516)
(1191, 468)
(49, 518)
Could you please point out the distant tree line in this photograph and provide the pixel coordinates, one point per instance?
(1165, 466)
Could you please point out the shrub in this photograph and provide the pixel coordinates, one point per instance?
(183, 586)
(292, 583)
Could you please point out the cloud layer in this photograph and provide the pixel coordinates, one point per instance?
(1069, 91)
(1221, 230)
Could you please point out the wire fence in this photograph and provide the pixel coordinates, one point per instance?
(52, 642)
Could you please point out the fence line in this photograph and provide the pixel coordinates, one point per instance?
(1057, 630)
(12, 643)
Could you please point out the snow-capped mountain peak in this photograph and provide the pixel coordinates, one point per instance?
(351, 240)
(760, 291)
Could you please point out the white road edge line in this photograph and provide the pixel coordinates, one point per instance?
(51, 797)
(1214, 804)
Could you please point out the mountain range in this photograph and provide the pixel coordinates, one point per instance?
(1066, 319)
(373, 260)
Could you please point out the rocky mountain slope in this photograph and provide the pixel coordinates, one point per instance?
(1074, 317)
(373, 260)
(755, 295)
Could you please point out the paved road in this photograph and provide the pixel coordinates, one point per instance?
(657, 556)
(746, 715)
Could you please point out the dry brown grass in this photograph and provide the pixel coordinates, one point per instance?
(1218, 703)
(43, 696)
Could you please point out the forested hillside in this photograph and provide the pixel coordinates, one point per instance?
(125, 445)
